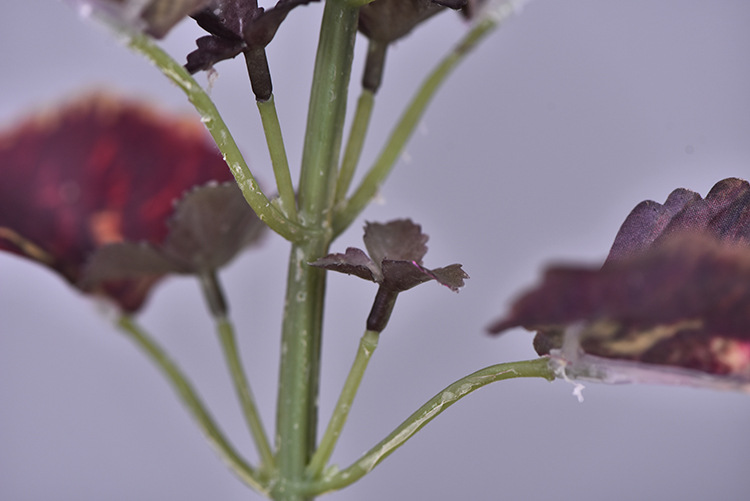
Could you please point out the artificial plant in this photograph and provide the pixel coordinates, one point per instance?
(310, 213)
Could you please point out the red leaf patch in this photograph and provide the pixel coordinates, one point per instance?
(673, 297)
(98, 171)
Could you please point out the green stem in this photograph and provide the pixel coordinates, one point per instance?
(327, 111)
(195, 406)
(225, 330)
(211, 118)
(354, 145)
(407, 124)
(367, 346)
(296, 414)
(214, 295)
(276, 149)
(429, 411)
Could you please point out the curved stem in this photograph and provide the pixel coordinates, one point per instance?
(367, 346)
(190, 399)
(354, 144)
(276, 149)
(407, 124)
(429, 411)
(214, 296)
(211, 118)
(225, 330)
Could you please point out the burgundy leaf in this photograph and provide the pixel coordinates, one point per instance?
(647, 221)
(400, 239)
(98, 171)
(236, 26)
(403, 275)
(452, 276)
(674, 295)
(725, 213)
(388, 20)
(211, 224)
(353, 262)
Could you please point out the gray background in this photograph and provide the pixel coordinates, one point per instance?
(535, 151)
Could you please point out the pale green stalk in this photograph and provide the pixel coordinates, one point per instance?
(406, 125)
(276, 149)
(354, 145)
(213, 293)
(367, 346)
(244, 394)
(193, 403)
(435, 406)
(211, 118)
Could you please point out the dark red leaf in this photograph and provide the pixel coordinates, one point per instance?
(236, 26)
(724, 213)
(398, 240)
(388, 20)
(353, 262)
(674, 292)
(98, 171)
(210, 225)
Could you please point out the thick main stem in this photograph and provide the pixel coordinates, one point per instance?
(296, 417)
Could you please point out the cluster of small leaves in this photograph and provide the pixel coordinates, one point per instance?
(236, 27)
(396, 250)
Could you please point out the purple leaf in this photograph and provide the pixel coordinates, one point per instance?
(674, 295)
(101, 170)
(400, 239)
(353, 262)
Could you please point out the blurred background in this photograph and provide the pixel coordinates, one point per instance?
(534, 152)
